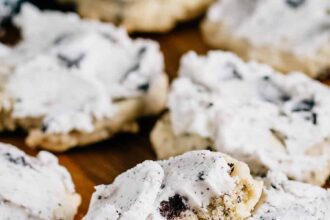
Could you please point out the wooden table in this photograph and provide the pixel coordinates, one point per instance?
(101, 163)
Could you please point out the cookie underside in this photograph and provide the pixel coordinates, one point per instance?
(144, 15)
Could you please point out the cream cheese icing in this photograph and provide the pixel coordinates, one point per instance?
(286, 200)
(171, 189)
(300, 26)
(35, 188)
(69, 71)
(254, 113)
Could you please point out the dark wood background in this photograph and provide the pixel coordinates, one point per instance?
(102, 162)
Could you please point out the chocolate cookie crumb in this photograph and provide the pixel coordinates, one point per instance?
(295, 3)
(201, 176)
(173, 208)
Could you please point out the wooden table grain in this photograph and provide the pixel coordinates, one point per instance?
(102, 162)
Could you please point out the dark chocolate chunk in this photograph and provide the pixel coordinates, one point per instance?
(144, 87)
(209, 105)
(60, 39)
(131, 69)
(17, 160)
(109, 37)
(295, 3)
(305, 105)
(314, 118)
(266, 78)
(142, 51)
(285, 98)
(235, 72)
(136, 65)
(201, 176)
(232, 168)
(173, 208)
(68, 62)
(209, 148)
(237, 75)
(272, 92)
(44, 127)
(273, 186)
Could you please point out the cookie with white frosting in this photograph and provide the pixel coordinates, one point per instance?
(287, 34)
(286, 200)
(142, 15)
(72, 82)
(195, 185)
(35, 187)
(269, 120)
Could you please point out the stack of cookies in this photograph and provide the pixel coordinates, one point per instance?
(243, 133)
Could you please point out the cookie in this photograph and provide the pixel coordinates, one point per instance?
(142, 15)
(72, 82)
(35, 187)
(285, 199)
(248, 110)
(286, 34)
(195, 185)
(166, 143)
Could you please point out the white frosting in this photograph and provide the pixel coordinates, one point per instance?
(4, 50)
(253, 113)
(287, 200)
(301, 26)
(149, 190)
(69, 70)
(34, 188)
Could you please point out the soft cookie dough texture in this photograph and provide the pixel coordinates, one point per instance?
(35, 188)
(142, 15)
(248, 110)
(287, 34)
(72, 82)
(204, 185)
(200, 185)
